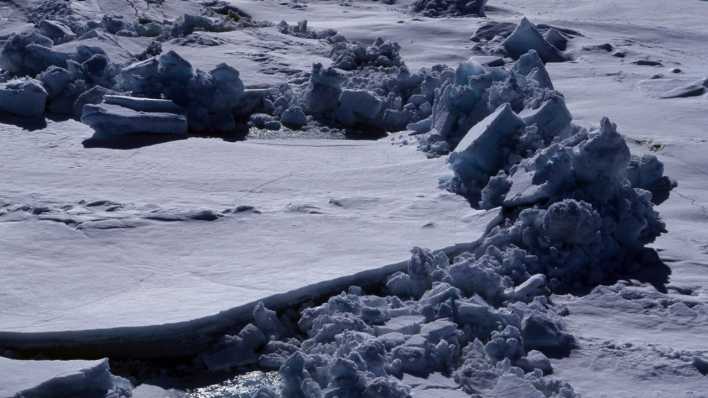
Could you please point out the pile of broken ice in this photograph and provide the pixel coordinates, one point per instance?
(447, 8)
(576, 210)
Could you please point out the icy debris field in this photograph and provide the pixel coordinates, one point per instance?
(353, 199)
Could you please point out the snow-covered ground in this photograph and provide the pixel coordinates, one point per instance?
(101, 238)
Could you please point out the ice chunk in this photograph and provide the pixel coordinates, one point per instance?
(531, 65)
(647, 172)
(293, 117)
(49, 379)
(358, 107)
(14, 56)
(514, 386)
(109, 120)
(143, 104)
(405, 324)
(23, 97)
(543, 334)
(532, 287)
(478, 155)
(535, 360)
(55, 80)
(692, 90)
(94, 95)
(268, 322)
(527, 37)
(235, 351)
(323, 91)
(57, 31)
(552, 118)
(439, 8)
(556, 38)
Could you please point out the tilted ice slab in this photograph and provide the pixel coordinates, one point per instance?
(54, 378)
(328, 209)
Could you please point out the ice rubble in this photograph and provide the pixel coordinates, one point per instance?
(514, 40)
(444, 8)
(484, 334)
(576, 210)
(576, 201)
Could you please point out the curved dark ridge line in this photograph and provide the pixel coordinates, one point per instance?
(188, 338)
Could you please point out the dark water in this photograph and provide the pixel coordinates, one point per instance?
(241, 386)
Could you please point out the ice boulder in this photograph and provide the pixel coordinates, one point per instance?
(440, 8)
(552, 118)
(527, 37)
(55, 80)
(23, 97)
(381, 53)
(323, 91)
(480, 154)
(293, 117)
(556, 38)
(94, 95)
(543, 334)
(141, 79)
(143, 104)
(50, 379)
(647, 172)
(209, 98)
(114, 120)
(358, 107)
(235, 351)
(57, 31)
(14, 57)
(189, 23)
(531, 65)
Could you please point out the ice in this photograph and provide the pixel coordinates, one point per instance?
(236, 351)
(692, 90)
(556, 39)
(442, 8)
(527, 37)
(143, 104)
(23, 97)
(293, 117)
(55, 80)
(94, 96)
(57, 31)
(349, 352)
(357, 107)
(48, 379)
(552, 119)
(351, 56)
(531, 65)
(322, 95)
(474, 159)
(110, 120)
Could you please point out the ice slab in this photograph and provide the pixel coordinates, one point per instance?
(32, 378)
(321, 203)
